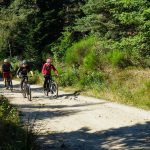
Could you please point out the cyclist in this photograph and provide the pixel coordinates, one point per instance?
(46, 70)
(6, 70)
(23, 70)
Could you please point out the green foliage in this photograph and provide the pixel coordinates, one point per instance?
(118, 58)
(126, 23)
(61, 45)
(76, 53)
(69, 77)
(147, 85)
(15, 14)
(7, 112)
(28, 28)
(12, 136)
(90, 61)
(91, 79)
(37, 77)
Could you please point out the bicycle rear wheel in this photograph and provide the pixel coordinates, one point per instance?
(29, 92)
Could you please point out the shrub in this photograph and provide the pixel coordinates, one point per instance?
(12, 135)
(90, 61)
(91, 78)
(118, 58)
(77, 52)
(69, 77)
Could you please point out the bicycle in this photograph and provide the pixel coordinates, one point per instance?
(26, 90)
(8, 83)
(51, 87)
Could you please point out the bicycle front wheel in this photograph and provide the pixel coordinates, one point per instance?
(23, 90)
(54, 89)
(29, 92)
(11, 85)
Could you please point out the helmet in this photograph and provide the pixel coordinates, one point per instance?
(48, 60)
(24, 62)
(6, 61)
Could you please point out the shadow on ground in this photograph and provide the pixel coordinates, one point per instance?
(41, 112)
(124, 138)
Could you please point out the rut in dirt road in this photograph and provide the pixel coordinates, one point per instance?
(74, 122)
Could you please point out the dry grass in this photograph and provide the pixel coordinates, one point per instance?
(130, 86)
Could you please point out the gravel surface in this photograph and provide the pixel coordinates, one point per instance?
(74, 122)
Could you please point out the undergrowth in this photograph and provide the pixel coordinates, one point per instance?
(14, 135)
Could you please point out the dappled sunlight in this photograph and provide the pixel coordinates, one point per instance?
(129, 137)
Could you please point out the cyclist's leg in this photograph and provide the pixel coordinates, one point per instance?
(21, 83)
(4, 82)
(4, 79)
(45, 81)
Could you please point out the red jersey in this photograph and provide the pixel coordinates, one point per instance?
(46, 69)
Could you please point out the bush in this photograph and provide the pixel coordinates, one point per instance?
(118, 58)
(90, 61)
(12, 136)
(37, 78)
(69, 77)
(77, 52)
(91, 78)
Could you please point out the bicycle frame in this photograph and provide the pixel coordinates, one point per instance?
(51, 87)
(26, 90)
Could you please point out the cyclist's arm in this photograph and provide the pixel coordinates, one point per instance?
(2, 68)
(54, 69)
(11, 68)
(43, 69)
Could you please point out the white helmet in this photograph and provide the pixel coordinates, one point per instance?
(24, 62)
(6, 61)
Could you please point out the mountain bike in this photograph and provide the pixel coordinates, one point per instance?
(25, 89)
(51, 88)
(8, 83)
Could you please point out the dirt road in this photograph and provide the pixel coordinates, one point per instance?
(74, 122)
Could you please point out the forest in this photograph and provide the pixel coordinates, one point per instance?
(101, 47)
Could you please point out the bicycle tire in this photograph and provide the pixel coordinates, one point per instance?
(29, 92)
(7, 84)
(54, 89)
(11, 85)
(24, 91)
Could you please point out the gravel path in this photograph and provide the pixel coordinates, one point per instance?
(74, 122)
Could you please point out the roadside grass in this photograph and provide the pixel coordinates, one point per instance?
(14, 135)
(128, 86)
